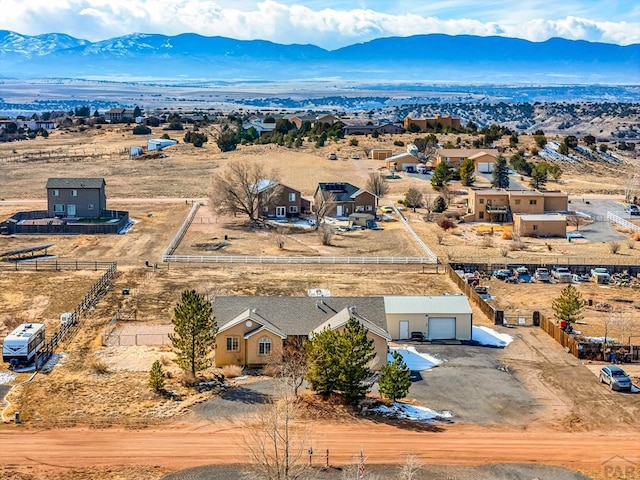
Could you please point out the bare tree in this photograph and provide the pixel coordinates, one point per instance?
(623, 324)
(323, 203)
(377, 184)
(274, 444)
(630, 187)
(244, 188)
(326, 235)
(429, 199)
(410, 469)
(576, 220)
(413, 198)
(293, 367)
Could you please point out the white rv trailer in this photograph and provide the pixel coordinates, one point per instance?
(22, 344)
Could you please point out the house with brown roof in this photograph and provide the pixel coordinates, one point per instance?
(482, 158)
(253, 330)
(344, 199)
(389, 128)
(280, 201)
(118, 114)
(444, 121)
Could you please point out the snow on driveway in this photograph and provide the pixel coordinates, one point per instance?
(6, 377)
(489, 337)
(411, 412)
(415, 360)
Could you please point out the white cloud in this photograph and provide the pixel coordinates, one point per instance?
(320, 23)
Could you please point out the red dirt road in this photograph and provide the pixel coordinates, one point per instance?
(183, 446)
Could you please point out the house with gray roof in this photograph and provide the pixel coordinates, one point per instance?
(253, 330)
(343, 199)
(76, 197)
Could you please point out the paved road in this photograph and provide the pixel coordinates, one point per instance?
(601, 230)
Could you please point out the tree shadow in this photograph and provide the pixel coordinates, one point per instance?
(407, 424)
(245, 395)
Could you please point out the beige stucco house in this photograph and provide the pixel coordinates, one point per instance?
(455, 156)
(540, 225)
(430, 123)
(253, 330)
(437, 317)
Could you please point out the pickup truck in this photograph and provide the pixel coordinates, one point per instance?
(542, 275)
(562, 275)
(600, 275)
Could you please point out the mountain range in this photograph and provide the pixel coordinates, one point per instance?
(426, 58)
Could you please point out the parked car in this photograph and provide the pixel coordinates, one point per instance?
(333, 156)
(600, 275)
(386, 209)
(562, 275)
(632, 209)
(503, 274)
(616, 377)
(522, 274)
(542, 275)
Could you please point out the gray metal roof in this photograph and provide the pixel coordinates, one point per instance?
(298, 315)
(427, 304)
(75, 183)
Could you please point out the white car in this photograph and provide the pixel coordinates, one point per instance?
(562, 275)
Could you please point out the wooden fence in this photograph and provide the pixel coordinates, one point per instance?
(71, 326)
(52, 265)
(175, 242)
(470, 292)
(567, 341)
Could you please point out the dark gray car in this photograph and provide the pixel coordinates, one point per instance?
(616, 377)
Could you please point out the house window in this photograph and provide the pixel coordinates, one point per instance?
(73, 193)
(265, 209)
(58, 208)
(233, 344)
(481, 201)
(535, 227)
(368, 208)
(517, 202)
(292, 197)
(55, 193)
(533, 202)
(360, 208)
(293, 209)
(90, 206)
(480, 215)
(264, 346)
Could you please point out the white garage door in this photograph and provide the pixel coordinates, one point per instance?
(485, 167)
(441, 328)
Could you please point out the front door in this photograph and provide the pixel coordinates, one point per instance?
(339, 211)
(71, 210)
(281, 212)
(404, 330)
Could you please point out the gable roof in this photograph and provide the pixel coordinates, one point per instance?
(78, 183)
(266, 184)
(250, 314)
(342, 317)
(294, 315)
(465, 152)
(483, 153)
(403, 156)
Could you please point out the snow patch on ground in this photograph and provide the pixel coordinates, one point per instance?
(6, 377)
(55, 360)
(489, 337)
(415, 360)
(411, 412)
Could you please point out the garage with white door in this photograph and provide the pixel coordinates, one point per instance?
(436, 317)
(441, 328)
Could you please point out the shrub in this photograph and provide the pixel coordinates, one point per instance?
(353, 142)
(517, 245)
(326, 235)
(231, 371)
(631, 244)
(399, 143)
(614, 247)
(507, 234)
(165, 360)
(156, 377)
(504, 251)
(439, 237)
(99, 367)
(635, 236)
(446, 224)
(141, 130)
(487, 241)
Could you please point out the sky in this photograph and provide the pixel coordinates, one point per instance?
(328, 23)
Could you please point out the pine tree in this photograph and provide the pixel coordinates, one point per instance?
(538, 176)
(195, 330)
(156, 377)
(500, 177)
(356, 352)
(395, 379)
(440, 205)
(467, 169)
(569, 305)
(322, 364)
(441, 175)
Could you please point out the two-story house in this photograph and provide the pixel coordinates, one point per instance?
(278, 200)
(343, 199)
(483, 159)
(76, 197)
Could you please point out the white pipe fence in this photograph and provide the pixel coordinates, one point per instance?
(432, 256)
(181, 233)
(622, 222)
(299, 259)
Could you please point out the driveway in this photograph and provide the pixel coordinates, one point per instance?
(236, 401)
(601, 230)
(474, 384)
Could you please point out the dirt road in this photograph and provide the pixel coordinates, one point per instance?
(188, 445)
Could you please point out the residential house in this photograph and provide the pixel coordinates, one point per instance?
(119, 115)
(369, 129)
(327, 118)
(298, 120)
(455, 156)
(344, 199)
(403, 162)
(381, 153)
(260, 126)
(278, 200)
(76, 197)
(540, 225)
(444, 121)
(436, 317)
(253, 330)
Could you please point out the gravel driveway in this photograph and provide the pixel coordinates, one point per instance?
(236, 401)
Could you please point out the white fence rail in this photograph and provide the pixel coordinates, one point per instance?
(183, 229)
(284, 260)
(432, 256)
(622, 222)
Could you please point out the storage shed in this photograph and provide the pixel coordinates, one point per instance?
(437, 317)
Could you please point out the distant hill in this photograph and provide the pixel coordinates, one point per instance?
(462, 58)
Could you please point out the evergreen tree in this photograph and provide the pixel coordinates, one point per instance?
(441, 175)
(500, 178)
(467, 169)
(395, 379)
(227, 140)
(356, 352)
(569, 305)
(156, 377)
(322, 364)
(137, 112)
(195, 330)
(440, 204)
(538, 176)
